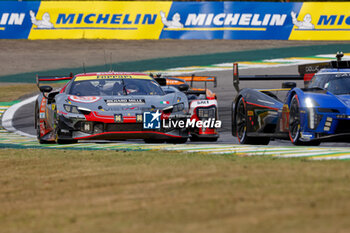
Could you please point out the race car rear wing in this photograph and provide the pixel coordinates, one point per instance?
(309, 70)
(185, 83)
(178, 79)
(52, 79)
(237, 77)
(306, 72)
(193, 78)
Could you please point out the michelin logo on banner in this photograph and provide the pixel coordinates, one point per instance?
(228, 20)
(98, 20)
(64, 19)
(174, 20)
(244, 20)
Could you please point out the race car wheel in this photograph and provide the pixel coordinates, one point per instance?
(294, 124)
(242, 125)
(233, 131)
(294, 121)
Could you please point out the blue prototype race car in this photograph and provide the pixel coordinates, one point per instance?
(306, 116)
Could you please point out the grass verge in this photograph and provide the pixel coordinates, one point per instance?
(13, 91)
(90, 191)
(9, 92)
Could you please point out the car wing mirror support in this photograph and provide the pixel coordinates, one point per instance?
(45, 89)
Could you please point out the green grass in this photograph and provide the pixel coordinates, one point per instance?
(13, 91)
(66, 191)
(10, 92)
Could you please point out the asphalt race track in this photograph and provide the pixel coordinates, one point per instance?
(24, 117)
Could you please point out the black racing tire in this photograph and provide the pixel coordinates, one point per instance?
(233, 131)
(155, 141)
(294, 121)
(295, 126)
(241, 125)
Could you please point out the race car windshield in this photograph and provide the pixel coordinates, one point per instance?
(337, 83)
(115, 87)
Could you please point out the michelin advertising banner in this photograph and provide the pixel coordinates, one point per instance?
(174, 20)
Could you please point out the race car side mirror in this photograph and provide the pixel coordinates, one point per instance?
(289, 85)
(183, 87)
(45, 89)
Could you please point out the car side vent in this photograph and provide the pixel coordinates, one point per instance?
(328, 110)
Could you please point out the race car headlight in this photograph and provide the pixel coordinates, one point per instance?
(71, 108)
(84, 111)
(342, 116)
(175, 108)
(178, 107)
(76, 110)
(168, 109)
(310, 103)
(206, 112)
(314, 118)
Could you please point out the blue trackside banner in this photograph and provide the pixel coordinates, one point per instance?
(229, 20)
(136, 20)
(15, 20)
